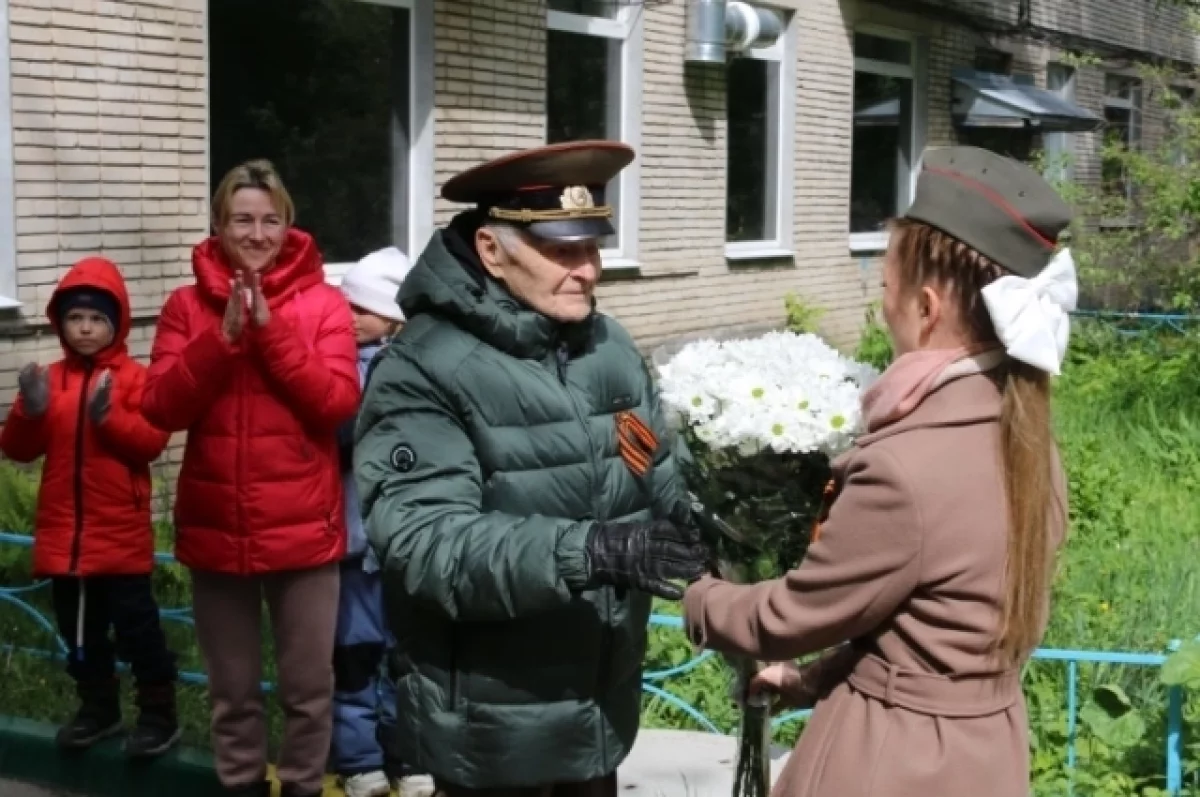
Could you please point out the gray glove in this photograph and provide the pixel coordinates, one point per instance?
(34, 383)
(101, 401)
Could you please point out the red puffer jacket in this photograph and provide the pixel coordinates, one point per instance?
(93, 510)
(260, 489)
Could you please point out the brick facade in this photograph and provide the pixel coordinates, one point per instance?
(110, 143)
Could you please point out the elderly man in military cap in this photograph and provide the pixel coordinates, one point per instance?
(520, 486)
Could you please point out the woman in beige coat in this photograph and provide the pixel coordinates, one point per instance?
(929, 581)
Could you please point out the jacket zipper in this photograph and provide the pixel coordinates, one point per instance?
(80, 431)
(137, 491)
(238, 464)
(561, 356)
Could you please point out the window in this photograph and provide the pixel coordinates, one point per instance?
(8, 224)
(1015, 143)
(760, 111)
(593, 90)
(993, 61)
(888, 132)
(1060, 147)
(1123, 116)
(337, 97)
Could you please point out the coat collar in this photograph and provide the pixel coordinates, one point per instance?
(449, 281)
(297, 268)
(961, 402)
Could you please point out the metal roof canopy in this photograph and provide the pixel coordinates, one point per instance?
(988, 100)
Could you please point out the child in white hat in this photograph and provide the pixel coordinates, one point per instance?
(363, 703)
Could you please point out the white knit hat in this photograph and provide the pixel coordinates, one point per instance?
(374, 282)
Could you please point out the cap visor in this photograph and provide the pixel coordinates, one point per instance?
(571, 229)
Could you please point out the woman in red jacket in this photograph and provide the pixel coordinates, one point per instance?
(257, 362)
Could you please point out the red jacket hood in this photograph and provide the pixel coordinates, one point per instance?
(101, 274)
(297, 267)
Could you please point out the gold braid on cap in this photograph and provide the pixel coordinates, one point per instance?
(525, 215)
(576, 201)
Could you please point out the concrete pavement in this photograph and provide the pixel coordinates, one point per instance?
(684, 764)
(662, 764)
(12, 788)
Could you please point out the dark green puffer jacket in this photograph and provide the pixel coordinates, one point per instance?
(486, 449)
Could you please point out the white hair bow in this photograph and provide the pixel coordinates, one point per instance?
(1031, 316)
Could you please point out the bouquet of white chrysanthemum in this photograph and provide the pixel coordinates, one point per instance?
(762, 418)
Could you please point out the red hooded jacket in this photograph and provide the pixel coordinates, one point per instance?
(93, 511)
(260, 489)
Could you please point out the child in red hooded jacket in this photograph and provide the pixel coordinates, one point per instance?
(93, 535)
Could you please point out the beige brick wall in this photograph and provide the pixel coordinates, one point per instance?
(110, 133)
(1133, 26)
(490, 83)
(684, 284)
(110, 140)
(1144, 27)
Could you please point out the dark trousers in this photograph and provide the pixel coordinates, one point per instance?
(126, 606)
(597, 787)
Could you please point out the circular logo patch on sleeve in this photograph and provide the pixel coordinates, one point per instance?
(404, 459)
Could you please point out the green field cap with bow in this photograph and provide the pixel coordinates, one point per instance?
(1007, 212)
(554, 192)
(998, 206)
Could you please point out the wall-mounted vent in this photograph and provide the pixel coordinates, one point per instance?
(718, 27)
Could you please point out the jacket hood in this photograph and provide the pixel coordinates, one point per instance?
(449, 281)
(297, 267)
(101, 274)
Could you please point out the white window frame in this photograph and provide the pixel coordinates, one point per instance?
(420, 125)
(917, 71)
(781, 140)
(8, 187)
(625, 77)
(1061, 146)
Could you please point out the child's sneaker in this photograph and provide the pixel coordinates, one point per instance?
(367, 784)
(157, 728)
(416, 786)
(98, 717)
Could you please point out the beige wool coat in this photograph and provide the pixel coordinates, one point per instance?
(909, 567)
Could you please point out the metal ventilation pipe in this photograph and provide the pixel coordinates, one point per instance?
(705, 31)
(716, 25)
(748, 27)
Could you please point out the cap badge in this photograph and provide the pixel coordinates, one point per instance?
(576, 197)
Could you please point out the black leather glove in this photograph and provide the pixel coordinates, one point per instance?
(646, 556)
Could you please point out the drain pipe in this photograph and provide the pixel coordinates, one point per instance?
(705, 31)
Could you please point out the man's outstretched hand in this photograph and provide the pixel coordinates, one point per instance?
(646, 556)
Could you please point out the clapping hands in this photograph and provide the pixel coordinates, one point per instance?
(234, 320)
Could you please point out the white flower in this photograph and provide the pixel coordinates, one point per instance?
(781, 391)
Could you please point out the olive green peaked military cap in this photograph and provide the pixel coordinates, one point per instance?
(555, 192)
(998, 206)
